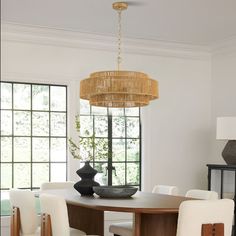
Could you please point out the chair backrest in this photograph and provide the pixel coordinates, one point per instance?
(194, 213)
(57, 185)
(202, 194)
(55, 206)
(25, 201)
(165, 189)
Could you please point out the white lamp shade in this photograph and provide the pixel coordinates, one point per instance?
(226, 128)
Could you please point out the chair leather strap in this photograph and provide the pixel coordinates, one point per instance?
(46, 227)
(213, 229)
(15, 221)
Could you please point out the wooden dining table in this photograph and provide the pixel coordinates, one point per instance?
(154, 214)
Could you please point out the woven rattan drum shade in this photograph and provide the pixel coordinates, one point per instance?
(119, 89)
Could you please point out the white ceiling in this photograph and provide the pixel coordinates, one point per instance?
(201, 22)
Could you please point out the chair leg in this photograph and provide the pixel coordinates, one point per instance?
(15, 222)
(213, 229)
(46, 228)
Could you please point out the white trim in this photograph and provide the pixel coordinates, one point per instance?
(56, 37)
(40, 78)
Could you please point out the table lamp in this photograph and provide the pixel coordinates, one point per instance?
(226, 130)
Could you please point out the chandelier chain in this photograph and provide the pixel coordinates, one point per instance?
(119, 40)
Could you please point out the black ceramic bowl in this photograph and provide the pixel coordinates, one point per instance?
(114, 191)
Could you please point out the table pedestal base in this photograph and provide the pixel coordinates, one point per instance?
(86, 219)
(155, 224)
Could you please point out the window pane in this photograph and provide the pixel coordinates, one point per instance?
(101, 176)
(101, 149)
(58, 98)
(58, 149)
(86, 126)
(22, 174)
(132, 111)
(22, 149)
(6, 149)
(40, 149)
(58, 172)
(118, 150)
(6, 175)
(40, 174)
(58, 124)
(40, 99)
(6, 96)
(133, 149)
(22, 123)
(132, 127)
(86, 148)
(6, 122)
(101, 127)
(40, 123)
(118, 126)
(118, 176)
(116, 111)
(22, 96)
(133, 173)
(84, 107)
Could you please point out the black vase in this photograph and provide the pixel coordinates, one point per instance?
(85, 185)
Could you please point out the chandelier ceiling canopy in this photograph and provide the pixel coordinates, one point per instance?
(119, 88)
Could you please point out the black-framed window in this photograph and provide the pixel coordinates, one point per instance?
(33, 134)
(119, 130)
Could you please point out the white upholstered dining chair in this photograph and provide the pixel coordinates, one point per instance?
(24, 220)
(55, 217)
(57, 185)
(165, 189)
(211, 215)
(126, 228)
(202, 194)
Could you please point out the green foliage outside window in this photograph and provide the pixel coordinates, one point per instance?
(84, 150)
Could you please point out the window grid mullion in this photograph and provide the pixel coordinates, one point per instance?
(110, 164)
(66, 136)
(125, 149)
(93, 138)
(49, 127)
(140, 151)
(13, 140)
(31, 139)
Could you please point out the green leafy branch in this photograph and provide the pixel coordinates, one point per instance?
(85, 149)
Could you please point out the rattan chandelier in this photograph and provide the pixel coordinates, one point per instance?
(119, 88)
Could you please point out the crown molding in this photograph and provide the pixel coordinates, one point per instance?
(62, 38)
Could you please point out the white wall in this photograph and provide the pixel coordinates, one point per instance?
(223, 104)
(223, 96)
(176, 127)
